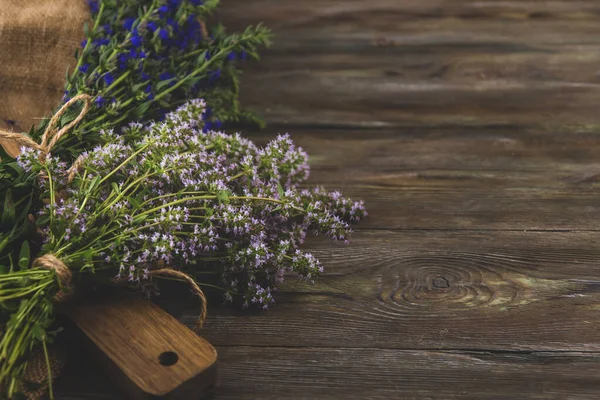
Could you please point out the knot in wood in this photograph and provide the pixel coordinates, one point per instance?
(439, 282)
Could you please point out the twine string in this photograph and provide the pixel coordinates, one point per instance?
(194, 286)
(63, 273)
(51, 135)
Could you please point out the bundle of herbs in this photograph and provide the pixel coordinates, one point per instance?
(140, 60)
(168, 195)
(132, 179)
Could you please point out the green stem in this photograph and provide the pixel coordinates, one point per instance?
(118, 80)
(196, 72)
(131, 157)
(23, 294)
(175, 202)
(87, 44)
(170, 195)
(50, 391)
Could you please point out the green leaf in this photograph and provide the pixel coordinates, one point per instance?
(4, 241)
(139, 219)
(280, 190)
(43, 220)
(223, 197)
(134, 203)
(141, 109)
(94, 184)
(8, 214)
(38, 332)
(115, 187)
(160, 85)
(24, 255)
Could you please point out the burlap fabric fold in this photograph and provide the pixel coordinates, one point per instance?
(38, 39)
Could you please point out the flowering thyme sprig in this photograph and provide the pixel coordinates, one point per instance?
(170, 195)
(140, 60)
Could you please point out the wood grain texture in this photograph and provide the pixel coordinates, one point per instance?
(147, 353)
(471, 129)
(324, 373)
(442, 290)
(449, 178)
(392, 63)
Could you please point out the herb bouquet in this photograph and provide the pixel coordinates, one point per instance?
(164, 196)
(140, 59)
(119, 189)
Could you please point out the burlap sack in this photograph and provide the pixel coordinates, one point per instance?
(38, 39)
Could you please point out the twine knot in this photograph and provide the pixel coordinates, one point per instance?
(51, 134)
(63, 273)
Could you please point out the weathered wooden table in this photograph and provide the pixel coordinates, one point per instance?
(471, 129)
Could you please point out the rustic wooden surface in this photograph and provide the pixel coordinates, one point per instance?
(472, 130)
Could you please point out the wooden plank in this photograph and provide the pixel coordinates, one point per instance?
(348, 373)
(335, 373)
(434, 290)
(239, 13)
(451, 178)
(393, 63)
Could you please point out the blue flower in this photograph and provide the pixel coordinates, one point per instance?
(107, 29)
(164, 34)
(214, 75)
(128, 23)
(231, 56)
(166, 76)
(83, 42)
(93, 6)
(196, 2)
(182, 43)
(101, 42)
(173, 24)
(122, 60)
(149, 91)
(243, 55)
(218, 124)
(141, 54)
(136, 40)
(163, 10)
(207, 55)
(145, 76)
(152, 26)
(100, 101)
(84, 68)
(108, 79)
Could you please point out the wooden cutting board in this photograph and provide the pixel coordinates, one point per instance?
(147, 353)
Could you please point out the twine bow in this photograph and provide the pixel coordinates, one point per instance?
(50, 137)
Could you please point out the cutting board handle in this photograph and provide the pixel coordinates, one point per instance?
(147, 353)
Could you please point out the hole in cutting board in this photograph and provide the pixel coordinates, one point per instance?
(168, 358)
